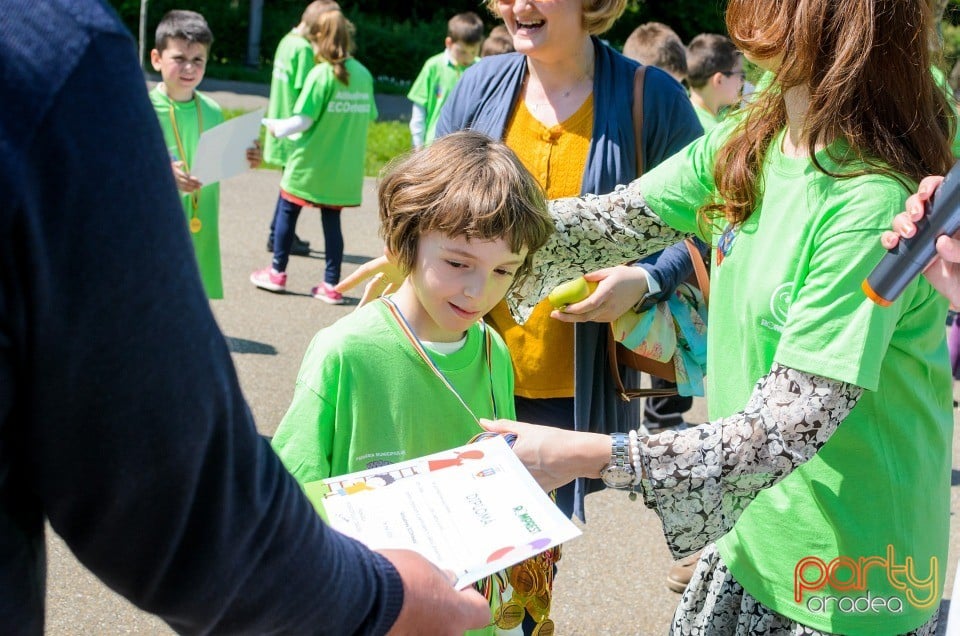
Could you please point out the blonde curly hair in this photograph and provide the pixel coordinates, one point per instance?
(598, 15)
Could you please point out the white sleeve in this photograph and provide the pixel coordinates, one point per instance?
(418, 124)
(281, 128)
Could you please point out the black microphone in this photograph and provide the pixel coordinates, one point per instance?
(911, 256)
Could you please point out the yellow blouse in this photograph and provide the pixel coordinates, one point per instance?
(542, 348)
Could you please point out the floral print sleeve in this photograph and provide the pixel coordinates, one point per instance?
(701, 479)
(592, 232)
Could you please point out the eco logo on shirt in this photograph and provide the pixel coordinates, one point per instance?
(780, 301)
(813, 575)
(349, 102)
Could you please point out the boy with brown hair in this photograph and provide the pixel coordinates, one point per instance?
(180, 55)
(715, 76)
(411, 373)
(441, 73)
(656, 44)
(499, 41)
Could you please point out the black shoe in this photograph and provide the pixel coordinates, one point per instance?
(299, 247)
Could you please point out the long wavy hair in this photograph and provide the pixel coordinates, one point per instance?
(332, 37)
(866, 65)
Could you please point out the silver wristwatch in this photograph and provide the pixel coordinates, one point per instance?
(619, 472)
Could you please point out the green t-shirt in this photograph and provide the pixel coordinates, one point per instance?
(326, 164)
(707, 120)
(788, 291)
(434, 83)
(291, 65)
(206, 242)
(365, 398)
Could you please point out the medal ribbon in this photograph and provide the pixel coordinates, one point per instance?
(194, 196)
(532, 579)
(418, 346)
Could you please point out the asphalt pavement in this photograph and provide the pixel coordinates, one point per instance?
(610, 580)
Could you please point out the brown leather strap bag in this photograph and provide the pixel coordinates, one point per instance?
(617, 354)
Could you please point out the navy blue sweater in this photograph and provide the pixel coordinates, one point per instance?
(121, 419)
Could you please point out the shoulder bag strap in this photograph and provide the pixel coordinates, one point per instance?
(699, 269)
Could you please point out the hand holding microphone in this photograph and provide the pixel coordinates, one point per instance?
(922, 242)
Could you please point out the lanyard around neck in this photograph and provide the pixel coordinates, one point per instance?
(418, 346)
(195, 224)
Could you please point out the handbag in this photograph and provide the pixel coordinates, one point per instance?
(617, 354)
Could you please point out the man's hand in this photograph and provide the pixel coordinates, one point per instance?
(944, 272)
(430, 604)
(384, 278)
(620, 289)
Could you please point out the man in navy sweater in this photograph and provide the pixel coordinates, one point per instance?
(121, 419)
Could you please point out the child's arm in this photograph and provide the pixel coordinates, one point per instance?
(418, 124)
(281, 128)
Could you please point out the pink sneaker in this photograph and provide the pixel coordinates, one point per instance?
(269, 280)
(326, 293)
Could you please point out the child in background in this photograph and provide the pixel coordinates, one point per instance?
(656, 44)
(181, 50)
(410, 374)
(440, 74)
(499, 41)
(333, 113)
(291, 65)
(715, 76)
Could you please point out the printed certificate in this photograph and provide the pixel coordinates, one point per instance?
(474, 510)
(222, 150)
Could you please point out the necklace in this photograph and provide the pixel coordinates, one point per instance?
(418, 346)
(195, 224)
(545, 101)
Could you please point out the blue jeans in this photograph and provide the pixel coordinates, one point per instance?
(286, 224)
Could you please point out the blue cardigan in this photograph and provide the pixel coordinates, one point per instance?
(483, 100)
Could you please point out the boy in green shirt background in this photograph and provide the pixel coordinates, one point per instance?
(440, 74)
(291, 64)
(182, 47)
(715, 76)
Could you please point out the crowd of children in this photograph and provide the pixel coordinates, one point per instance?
(462, 217)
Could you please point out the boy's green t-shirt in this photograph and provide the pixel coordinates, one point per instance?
(291, 65)
(365, 398)
(432, 87)
(875, 498)
(327, 162)
(707, 119)
(206, 241)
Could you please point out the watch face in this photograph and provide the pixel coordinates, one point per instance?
(617, 476)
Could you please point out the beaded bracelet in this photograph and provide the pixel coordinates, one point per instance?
(635, 456)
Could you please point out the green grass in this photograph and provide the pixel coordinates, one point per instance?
(385, 140)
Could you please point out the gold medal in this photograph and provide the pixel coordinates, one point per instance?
(509, 615)
(546, 628)
(523, 578)
(195, 225)
(539, 606)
